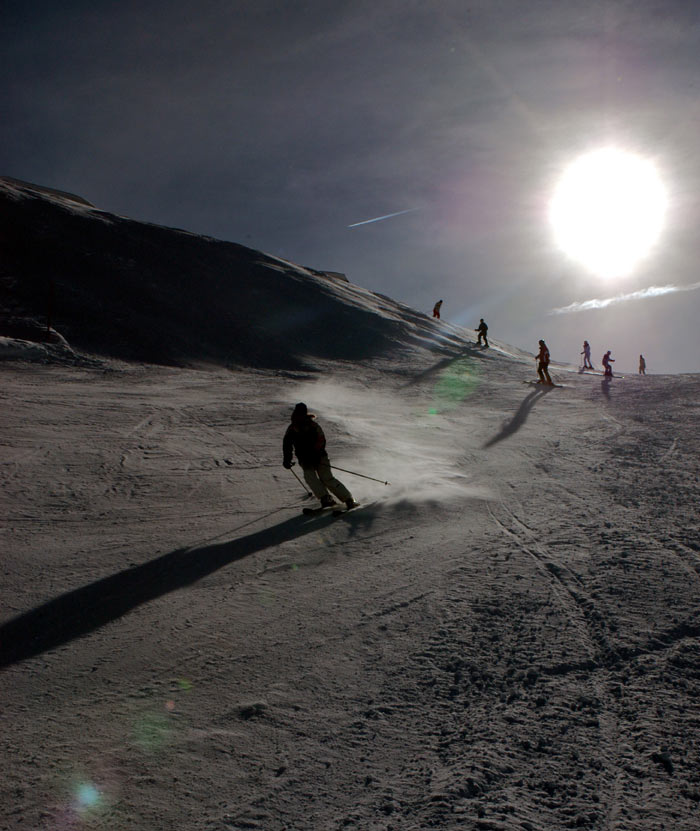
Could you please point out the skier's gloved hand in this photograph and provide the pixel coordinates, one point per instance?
(288, 463)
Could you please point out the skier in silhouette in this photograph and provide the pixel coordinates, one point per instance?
(482, 329)
(587, 355)
(607, 360)
(436, 309)
(305, 437)
(642, 365)
(543, 364)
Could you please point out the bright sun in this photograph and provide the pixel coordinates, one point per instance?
(608, 210)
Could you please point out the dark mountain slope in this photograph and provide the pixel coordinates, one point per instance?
(119, 288)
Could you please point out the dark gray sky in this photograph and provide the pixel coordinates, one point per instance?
(278, 124)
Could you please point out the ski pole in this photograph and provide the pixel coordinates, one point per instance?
(362, 475)
(308, 493)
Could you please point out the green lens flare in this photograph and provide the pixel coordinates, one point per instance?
(152, 732)
(456, 382)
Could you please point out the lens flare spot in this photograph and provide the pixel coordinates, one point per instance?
(267, 598)
(152, 732)
(87, 797)
(455, 383)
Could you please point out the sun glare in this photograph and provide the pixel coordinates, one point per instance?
(608, 211)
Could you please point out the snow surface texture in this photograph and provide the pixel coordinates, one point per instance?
(504, 638)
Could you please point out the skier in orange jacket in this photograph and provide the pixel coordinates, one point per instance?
(543, 364)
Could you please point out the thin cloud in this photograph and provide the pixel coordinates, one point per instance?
(602, 303)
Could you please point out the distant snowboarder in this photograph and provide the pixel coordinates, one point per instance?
(482, 329)
(607, 360)
(305, 437)
(543, 364)
(587, 355)
(642, 365)
(436, 309)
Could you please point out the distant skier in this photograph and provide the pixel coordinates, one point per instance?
(482, 329)
(642, 365)
(305, 437)
(607, 360)
(543, 364)
(436, 309)
(587, 355)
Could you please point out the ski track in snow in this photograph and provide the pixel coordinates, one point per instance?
(505, 638)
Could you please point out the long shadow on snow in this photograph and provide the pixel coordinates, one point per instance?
(444, 363)
(83, 610)
(519, 418)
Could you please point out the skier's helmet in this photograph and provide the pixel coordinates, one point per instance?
(299, 413)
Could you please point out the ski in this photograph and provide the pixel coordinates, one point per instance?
(598, 373)
(540, 384)
(341, 511)
(336, 509)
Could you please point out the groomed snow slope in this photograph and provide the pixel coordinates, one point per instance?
(503, 638)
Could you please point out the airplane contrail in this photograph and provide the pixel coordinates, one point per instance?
(379, 218)
(601, 303)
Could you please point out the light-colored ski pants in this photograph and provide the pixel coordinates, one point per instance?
(321, 480)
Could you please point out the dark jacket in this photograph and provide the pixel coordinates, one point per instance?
(306, 438)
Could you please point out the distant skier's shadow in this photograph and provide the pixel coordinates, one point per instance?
(520, 416)
(83, 610)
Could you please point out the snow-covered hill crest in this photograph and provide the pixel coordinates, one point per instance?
(117, 288)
